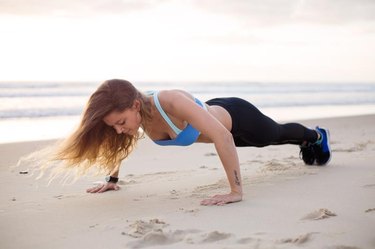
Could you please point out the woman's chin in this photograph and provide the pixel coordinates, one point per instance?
(131, 132)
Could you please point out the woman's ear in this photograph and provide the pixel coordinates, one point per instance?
(137, 104)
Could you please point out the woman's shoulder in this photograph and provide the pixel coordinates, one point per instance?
(173, 95)
(175, 100)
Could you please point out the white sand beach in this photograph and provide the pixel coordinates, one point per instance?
(286, 203)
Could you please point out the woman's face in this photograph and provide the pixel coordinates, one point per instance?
(127, 121)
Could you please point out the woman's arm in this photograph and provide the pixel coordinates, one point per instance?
(228, 155)
(115, 171)
(181, 106)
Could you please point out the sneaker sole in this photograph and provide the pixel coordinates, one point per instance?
(328, 145)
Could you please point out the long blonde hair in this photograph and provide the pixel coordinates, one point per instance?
(95, 143)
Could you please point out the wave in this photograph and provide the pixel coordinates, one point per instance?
(38, 113)
(41, 99)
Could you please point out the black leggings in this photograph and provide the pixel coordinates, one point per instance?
(250, 127)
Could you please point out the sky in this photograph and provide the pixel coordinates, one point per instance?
(188, 40)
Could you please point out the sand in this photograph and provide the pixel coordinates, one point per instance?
(286, 204)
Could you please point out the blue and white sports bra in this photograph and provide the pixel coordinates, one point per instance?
(185, 137)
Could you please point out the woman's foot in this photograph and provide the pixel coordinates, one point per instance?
(307, 153)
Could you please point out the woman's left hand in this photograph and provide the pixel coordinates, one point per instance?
(103, 188)
(221, 200)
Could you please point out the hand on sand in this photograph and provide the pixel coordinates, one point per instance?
(221, 200)
(103, 187)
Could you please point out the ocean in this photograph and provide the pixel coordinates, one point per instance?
(47, 110)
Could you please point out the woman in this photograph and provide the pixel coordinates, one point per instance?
(116, 110)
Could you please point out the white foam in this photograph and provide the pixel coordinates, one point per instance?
(30, 129)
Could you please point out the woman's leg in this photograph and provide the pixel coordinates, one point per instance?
(250, 127)
(256, 129)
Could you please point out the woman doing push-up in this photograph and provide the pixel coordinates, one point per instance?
(115, 112)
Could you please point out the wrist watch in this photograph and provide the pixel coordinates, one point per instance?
(111, 179)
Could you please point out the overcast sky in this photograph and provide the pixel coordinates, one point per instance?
(188, 40)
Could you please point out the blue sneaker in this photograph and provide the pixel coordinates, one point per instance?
(321, 147)
(307, 153)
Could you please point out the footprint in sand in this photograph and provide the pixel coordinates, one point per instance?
(248, 240)
(174, 195)
(343, 247)
(299, 240)
(192, 211)
(152, 233)
(358, 147)
(215, 236)
(369, 186)
(140, 228)
(370, 210)
(160, 237)
(278, 166)
(60, 197)
(320, 214)
(153, 238)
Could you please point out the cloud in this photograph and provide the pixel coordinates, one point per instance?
(336, 11)
(74, 7)
(253, 12)
(275, 12)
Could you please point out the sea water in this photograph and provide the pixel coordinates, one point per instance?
(49, 110)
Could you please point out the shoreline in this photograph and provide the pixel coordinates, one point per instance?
(53, 128)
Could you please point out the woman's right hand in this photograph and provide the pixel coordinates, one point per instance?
(103, 188)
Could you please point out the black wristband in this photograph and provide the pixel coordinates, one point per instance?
(111, 179)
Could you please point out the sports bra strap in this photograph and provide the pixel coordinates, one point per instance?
(164, 115)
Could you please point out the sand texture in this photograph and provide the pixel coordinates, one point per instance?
(286, 203)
